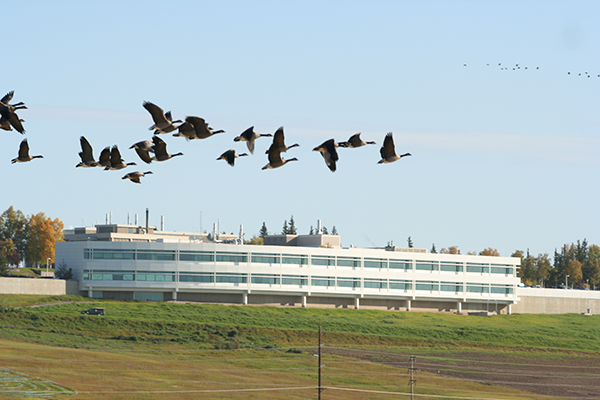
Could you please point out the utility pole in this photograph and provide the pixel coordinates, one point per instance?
(320, 365)
(412, 382)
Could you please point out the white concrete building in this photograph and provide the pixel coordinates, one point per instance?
(186, 267)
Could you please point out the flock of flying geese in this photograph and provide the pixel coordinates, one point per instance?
(191, 128)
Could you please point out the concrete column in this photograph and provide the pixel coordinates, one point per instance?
(356, 303)
(175, 295)
(90, 292)
(245, 299)
(304, 301)
(509, 309)
(458, 307)
(407, 305)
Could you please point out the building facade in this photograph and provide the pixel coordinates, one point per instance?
(185, 268)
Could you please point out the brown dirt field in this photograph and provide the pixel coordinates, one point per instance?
(571, 376)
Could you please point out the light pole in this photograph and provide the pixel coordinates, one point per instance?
(47, 260)
(567, 281)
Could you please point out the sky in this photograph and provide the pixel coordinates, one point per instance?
(487, 96)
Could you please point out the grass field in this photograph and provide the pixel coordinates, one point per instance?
(179, 351)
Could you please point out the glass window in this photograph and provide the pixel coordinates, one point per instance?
(349, 282)
(348, 262)
(159, 255)
(477, 288)
(111, 275)
(265, 258)
(206, 256)
(427, 265)
(298, 280)
(401, 264)
(375, 263)
(232, 257)
(265, 279)
(504, 270)
(144, 296)
(502, 289)
(232, 278)
(196, 277)
(110, 254)
(323, 281)
(429, 286)
(451, 287)
(478, 268)
(376, 283)
(87, 275)
(451, 266)
(151, 276)
(322, 260)
(294, 259)
(87, 254)
(400, 284)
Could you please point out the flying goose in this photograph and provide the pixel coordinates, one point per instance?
(5, 124)
(116, 162)
(279, 142)
(9, 115)
(249, 136)
(387, 151)
(230, 156)
(163, 122)
(86, 154)
(104, 160)
(275, 160)
(202, 129)
(186, 130)
(143, 149)
(354, 142)
(329, 153)
(160, 150)
(24, 153)
(135, 176)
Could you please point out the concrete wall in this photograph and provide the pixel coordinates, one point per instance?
(556, 301)
(38, 286)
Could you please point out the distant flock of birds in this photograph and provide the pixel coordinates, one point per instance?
(191, 128)
(516, 67)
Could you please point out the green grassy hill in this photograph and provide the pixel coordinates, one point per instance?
(217, 326)
(152, 350)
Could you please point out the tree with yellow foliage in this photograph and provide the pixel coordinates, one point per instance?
(42, 233)
(489, 252)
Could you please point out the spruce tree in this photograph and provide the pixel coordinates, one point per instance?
(334, 231)
(285, 229)
(263, 231)
(292, 227)
(410, 242)
(312, 230)
(325, 231)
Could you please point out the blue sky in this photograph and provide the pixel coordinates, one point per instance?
(502, 158)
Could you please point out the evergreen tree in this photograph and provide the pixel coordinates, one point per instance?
(312, 230)
(334, 231)
(63, 272)
(325, 231)
(292, 227)
(285, 229)
(263, 231)
(433, 249)
(410, 242)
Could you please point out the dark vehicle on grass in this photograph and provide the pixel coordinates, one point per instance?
(94, 311)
